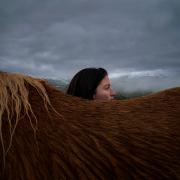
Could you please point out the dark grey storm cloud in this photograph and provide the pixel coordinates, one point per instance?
(130, 38)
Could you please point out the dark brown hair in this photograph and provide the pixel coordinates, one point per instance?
(85, 82)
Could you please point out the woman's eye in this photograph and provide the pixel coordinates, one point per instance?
(107, 87)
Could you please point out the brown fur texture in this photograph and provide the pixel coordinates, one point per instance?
(79, 139)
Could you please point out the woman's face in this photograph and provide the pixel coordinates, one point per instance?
(104, 90)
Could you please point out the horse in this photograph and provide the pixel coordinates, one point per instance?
(47, 134)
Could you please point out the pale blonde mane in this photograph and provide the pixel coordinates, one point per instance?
(13, 92)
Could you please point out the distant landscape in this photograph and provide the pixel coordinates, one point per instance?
(129, 86)
(121, 94)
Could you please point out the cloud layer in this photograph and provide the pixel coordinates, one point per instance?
(54, 39)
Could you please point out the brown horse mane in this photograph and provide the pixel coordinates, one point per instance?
(46, 134)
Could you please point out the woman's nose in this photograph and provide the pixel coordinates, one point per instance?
(113, 93)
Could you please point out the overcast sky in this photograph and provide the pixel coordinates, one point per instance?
(137, 39)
